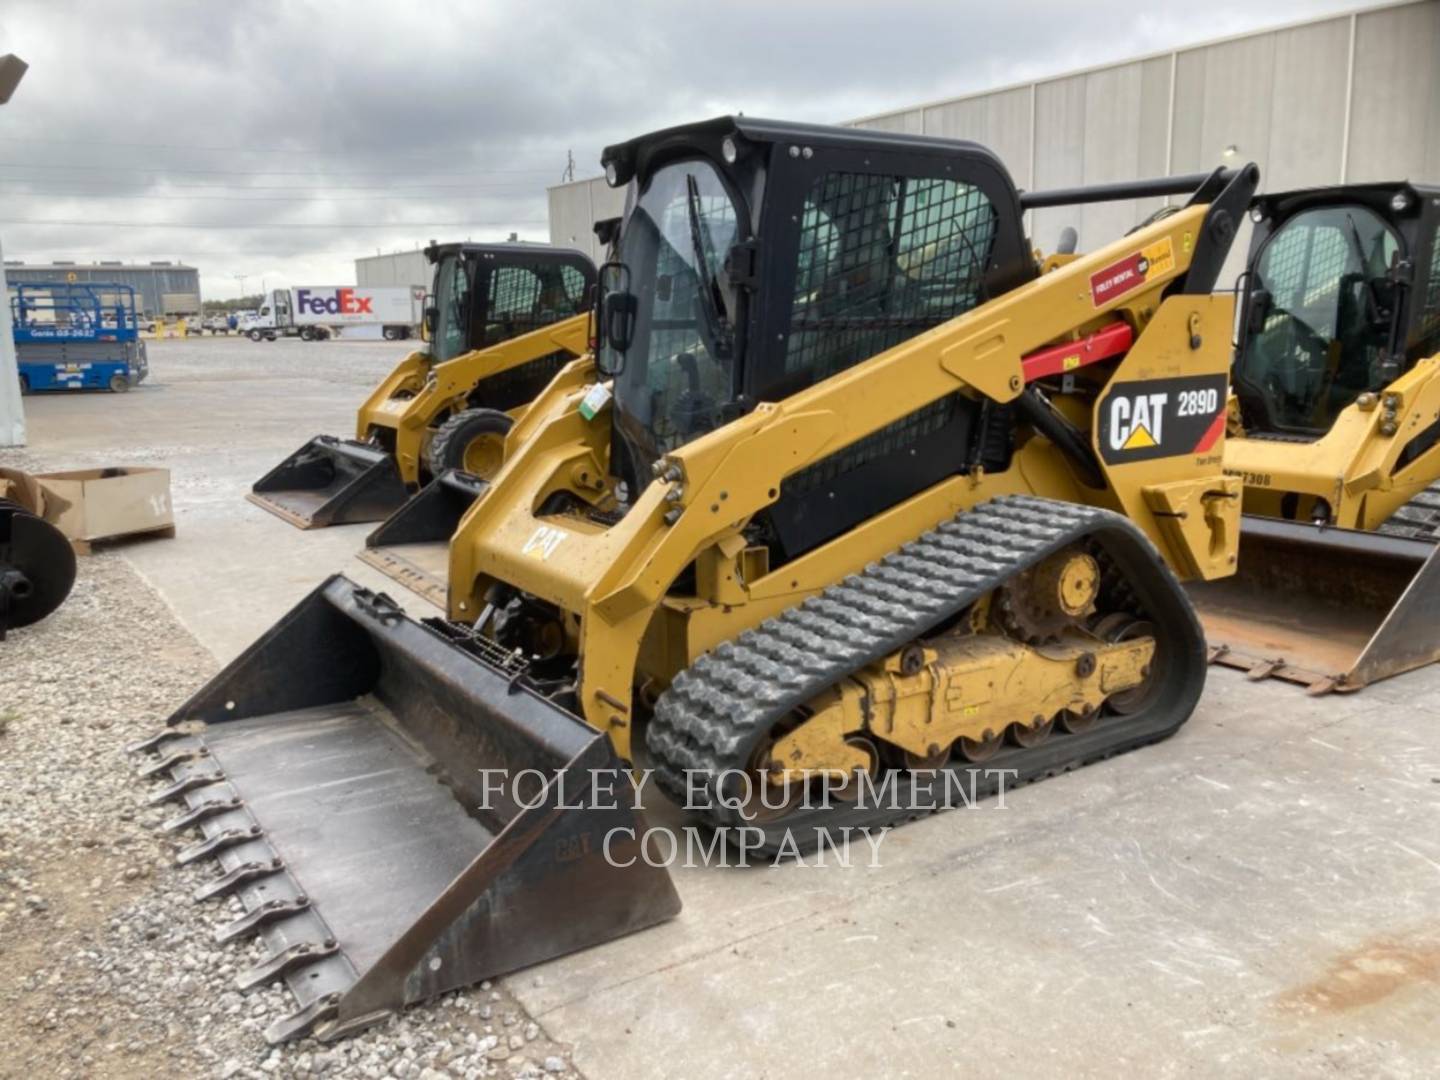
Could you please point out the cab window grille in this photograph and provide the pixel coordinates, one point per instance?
(526, 298)
(881, 259)
(521, 384)
(1302, 272)
(573, 282)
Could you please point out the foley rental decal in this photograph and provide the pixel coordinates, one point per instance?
(1127, 275)
(1161, 418)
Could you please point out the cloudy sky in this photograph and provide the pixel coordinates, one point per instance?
(278, 140)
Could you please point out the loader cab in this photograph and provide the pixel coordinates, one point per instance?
(483, 294)
(757, 258)
(1342, 295)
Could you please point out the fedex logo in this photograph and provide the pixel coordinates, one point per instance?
(340, 302)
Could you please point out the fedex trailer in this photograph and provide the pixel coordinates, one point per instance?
(316, 312)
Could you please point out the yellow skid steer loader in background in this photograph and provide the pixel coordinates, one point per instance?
(412, 545)
(852, 493)
(504, 319)
(1336, 436)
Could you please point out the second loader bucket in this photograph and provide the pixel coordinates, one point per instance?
(1330, 609)
(331, 481)
(357, 776)
(413, 544)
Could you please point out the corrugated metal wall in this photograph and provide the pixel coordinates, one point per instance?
(400, 268)
(1346, 98)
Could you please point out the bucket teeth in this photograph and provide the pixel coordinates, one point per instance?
(179, 757)
(197, 814)
(263, 915)
(301, 1022)
(1263, 670)
(182, 786)
(219, 842)
(306, 952)
(144, 746)
(226, 884)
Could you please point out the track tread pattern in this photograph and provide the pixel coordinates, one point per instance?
(1420, 517)
(711, 716)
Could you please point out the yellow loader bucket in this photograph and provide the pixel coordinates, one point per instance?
(341, 774)
(413, 544)
(331, 481)
(1330, 609)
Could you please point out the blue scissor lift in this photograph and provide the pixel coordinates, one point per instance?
(77, 336)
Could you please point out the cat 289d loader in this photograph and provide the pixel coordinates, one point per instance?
(856, 493)
(504, 319)
(1336, 435)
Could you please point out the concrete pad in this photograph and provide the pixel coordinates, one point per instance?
(220, 413)
(1256, 895)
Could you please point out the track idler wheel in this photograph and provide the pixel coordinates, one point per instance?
(37, 567)
(1119, 626)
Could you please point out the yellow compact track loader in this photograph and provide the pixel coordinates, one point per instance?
(855, 492)
(1335, 431)
(504, 319)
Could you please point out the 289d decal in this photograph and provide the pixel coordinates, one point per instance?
(1157, 418)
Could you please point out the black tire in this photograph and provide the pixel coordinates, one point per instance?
(307, 334)
(24, 384)
(452, 439)
(389, 334)
(254, 335)
(119, 383)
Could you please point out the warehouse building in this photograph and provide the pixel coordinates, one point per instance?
(1338, 99)
(161, 288)
(397, 268)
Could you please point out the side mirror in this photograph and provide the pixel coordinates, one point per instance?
(618, 316)
(616, 313)
(1257, 311)
(431, 322)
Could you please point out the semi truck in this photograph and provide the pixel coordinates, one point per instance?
(316, 312)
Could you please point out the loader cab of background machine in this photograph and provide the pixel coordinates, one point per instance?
(1341, 296)
(483, 294)
(757, 258)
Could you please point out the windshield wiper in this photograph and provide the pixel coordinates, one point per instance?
(716, 330)
(1372, 298)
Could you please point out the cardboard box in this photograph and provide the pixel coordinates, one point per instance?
(100, 504)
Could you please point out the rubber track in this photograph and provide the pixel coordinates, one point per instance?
(718, 709)
(1420, 517)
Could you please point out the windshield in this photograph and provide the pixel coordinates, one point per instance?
(452, 287)
(677, 377)
(1318, 321)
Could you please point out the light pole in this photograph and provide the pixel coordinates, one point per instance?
(12, 411)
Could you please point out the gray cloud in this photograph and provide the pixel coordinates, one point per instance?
(283, 139)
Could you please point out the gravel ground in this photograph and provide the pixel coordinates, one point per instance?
(107, 968)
